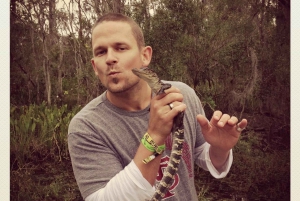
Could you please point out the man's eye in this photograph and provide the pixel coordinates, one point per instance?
(122, 48)
(100, 52)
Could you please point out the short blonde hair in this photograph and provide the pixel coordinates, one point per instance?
(117, 17)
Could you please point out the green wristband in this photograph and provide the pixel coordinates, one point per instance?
(160, 149)
(147, 145)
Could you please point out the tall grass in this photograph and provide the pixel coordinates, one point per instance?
(40, 164)
(39, 130)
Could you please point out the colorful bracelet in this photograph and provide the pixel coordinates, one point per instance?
(147, 145)
(147, 140)
(150, 158)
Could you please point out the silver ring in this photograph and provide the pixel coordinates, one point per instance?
(171, 106)
(239, 129)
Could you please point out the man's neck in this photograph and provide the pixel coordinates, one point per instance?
(135, 99)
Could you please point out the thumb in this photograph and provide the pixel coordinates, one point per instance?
(204, 123)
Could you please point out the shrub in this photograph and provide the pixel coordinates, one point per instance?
(39, 131)
(257, 173)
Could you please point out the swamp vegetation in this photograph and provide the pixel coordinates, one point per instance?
(235, 54)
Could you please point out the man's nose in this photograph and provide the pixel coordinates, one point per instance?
(111, 57)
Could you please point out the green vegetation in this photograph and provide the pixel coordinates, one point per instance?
(40, 164)
(257, 173)
(41, 168)
(235, 54)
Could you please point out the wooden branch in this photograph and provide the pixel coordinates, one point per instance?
(25, 72)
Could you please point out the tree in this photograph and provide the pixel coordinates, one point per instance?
(226, 50)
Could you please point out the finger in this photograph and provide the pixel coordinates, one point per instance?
(171, 106)
(204, 123)
(180, 107)
(216, 117)
(162, 104)
(172, 89)
(219, 119)
(243, 124)
(233, 121)
(171, 98)
(224, 119)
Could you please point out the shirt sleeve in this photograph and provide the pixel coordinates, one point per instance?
(128, 184)
(203, 160)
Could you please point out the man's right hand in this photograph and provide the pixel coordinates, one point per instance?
(161, 114)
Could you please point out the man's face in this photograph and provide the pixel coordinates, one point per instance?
(115, 53)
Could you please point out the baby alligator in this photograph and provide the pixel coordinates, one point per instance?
(159, 87)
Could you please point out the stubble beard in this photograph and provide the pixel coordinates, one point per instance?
(121, 89)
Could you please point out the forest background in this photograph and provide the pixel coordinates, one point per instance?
(234, 53)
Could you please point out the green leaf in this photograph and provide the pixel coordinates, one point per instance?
(33, 127)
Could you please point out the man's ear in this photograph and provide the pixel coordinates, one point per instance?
(146, 55)
(94, 67)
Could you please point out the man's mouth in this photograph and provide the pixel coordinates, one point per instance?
(113, 73)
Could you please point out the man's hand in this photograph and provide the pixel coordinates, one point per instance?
(161, 115)
(159, 128)
(222, 133)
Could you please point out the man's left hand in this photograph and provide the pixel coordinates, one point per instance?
(222, 131)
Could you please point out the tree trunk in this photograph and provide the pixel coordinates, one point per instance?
(118, 6)
(52, 21)
(59, 68)
(97, 8)
(46, 73)
(35, 60)
(80, 22)
(46, 41)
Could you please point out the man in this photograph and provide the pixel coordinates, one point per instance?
(105, 136)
